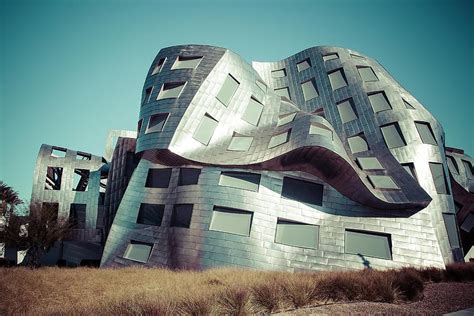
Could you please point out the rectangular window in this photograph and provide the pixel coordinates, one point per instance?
(408, 105)
(439, 178)
(303, 65)
(330, 56)
(410, 168)
(286, 119)
(205, 130)
(369, 163)
(146, 97)
(393, 135)
(279, 73)
(452, 164)
(83, 156)
(58, 152)
(231, 221)
(357, 143)
(150, 214)
(452, 229)
(383, 182)
(181, 216)
(77, 215)
(228, 89)
(240, 143)
(279, 139)
(347, 110)
(468, 223)
(367, 74)
(80, 180)
(320, 129)
(309, 89)
(368, 244)
(337, 79)
(297, 234)
(171, 90)
(283, 92)
(139, 126)
(138, 251)
(158, 178)
(302, 191)
(379, 102)
(468, 168)
(53, 178)
(240, 180)
(156, 122)
(253, 111)
(426, 134)
(158, 66)
(189, 176)
(186, 62)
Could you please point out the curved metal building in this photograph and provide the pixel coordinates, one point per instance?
(318, 161)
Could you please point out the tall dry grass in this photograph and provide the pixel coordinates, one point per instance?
(141, 291)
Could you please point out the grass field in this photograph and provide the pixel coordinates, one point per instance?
(137, 291)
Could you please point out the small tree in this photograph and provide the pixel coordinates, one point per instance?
(37, 231)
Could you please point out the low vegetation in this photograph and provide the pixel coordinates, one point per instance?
(140, 291)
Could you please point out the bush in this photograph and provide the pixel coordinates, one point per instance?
(266, 296)
(233, 301)
(409, 283)
(300, 289)
(431, 274)
(459, 272)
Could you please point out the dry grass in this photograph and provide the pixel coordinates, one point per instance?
(139, 291)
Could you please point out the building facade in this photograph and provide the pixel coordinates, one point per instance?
(318, 161)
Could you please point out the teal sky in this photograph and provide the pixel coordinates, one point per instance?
(71, 70)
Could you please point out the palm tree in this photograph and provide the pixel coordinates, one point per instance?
(9, 198)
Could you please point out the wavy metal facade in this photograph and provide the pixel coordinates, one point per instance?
(318, 161)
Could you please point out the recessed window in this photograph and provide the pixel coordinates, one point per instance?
(368, 244)
(240, 143)
(158, 178)
(367, 74)
(468, 168)
(279, 139)
(452, 164)
(158, 66)
(233, 221)
(261, 85)
(156, 122)
(147, 96)
(53, 178)
(426, 134)
(189, 176)
(279, 73)
(357, 144)
(468, 223)
(379, 102)
(171, 90)
(283, 92)
(83, 156)
(309, 90)
(286, 119)
(439, 178)
(357, 56)
(253, 111)
(303, 65)
(150, 214)
(58, 152)
(181, 216)
(138, 251)
(240, 180)
(337, 79)
(347, 110)
(297, 234)
(330, 56)
(186, 62)
(319, 129)
(228, 89)
(80, 180)
(452, 230)
(393, 135)
(383, 182)
(408, 105)
(302, 191)
(410, 168)
(77, 215)
(139, 126)
(205, 129)
(369, 163)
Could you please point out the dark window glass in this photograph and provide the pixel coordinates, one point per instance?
(148, 91)
(439, 178)
(189, 176)
(452, 164)
(303, 191)
(158, 178)
(77, 215)
(181, 216)
(451, 228)
(150, 214)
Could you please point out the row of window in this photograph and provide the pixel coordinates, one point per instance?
(58, 152)
(181, 62)
(54, 176)
(453, 166)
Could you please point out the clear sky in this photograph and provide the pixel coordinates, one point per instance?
(71, 70)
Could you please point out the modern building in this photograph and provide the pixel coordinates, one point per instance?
(318, 161)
